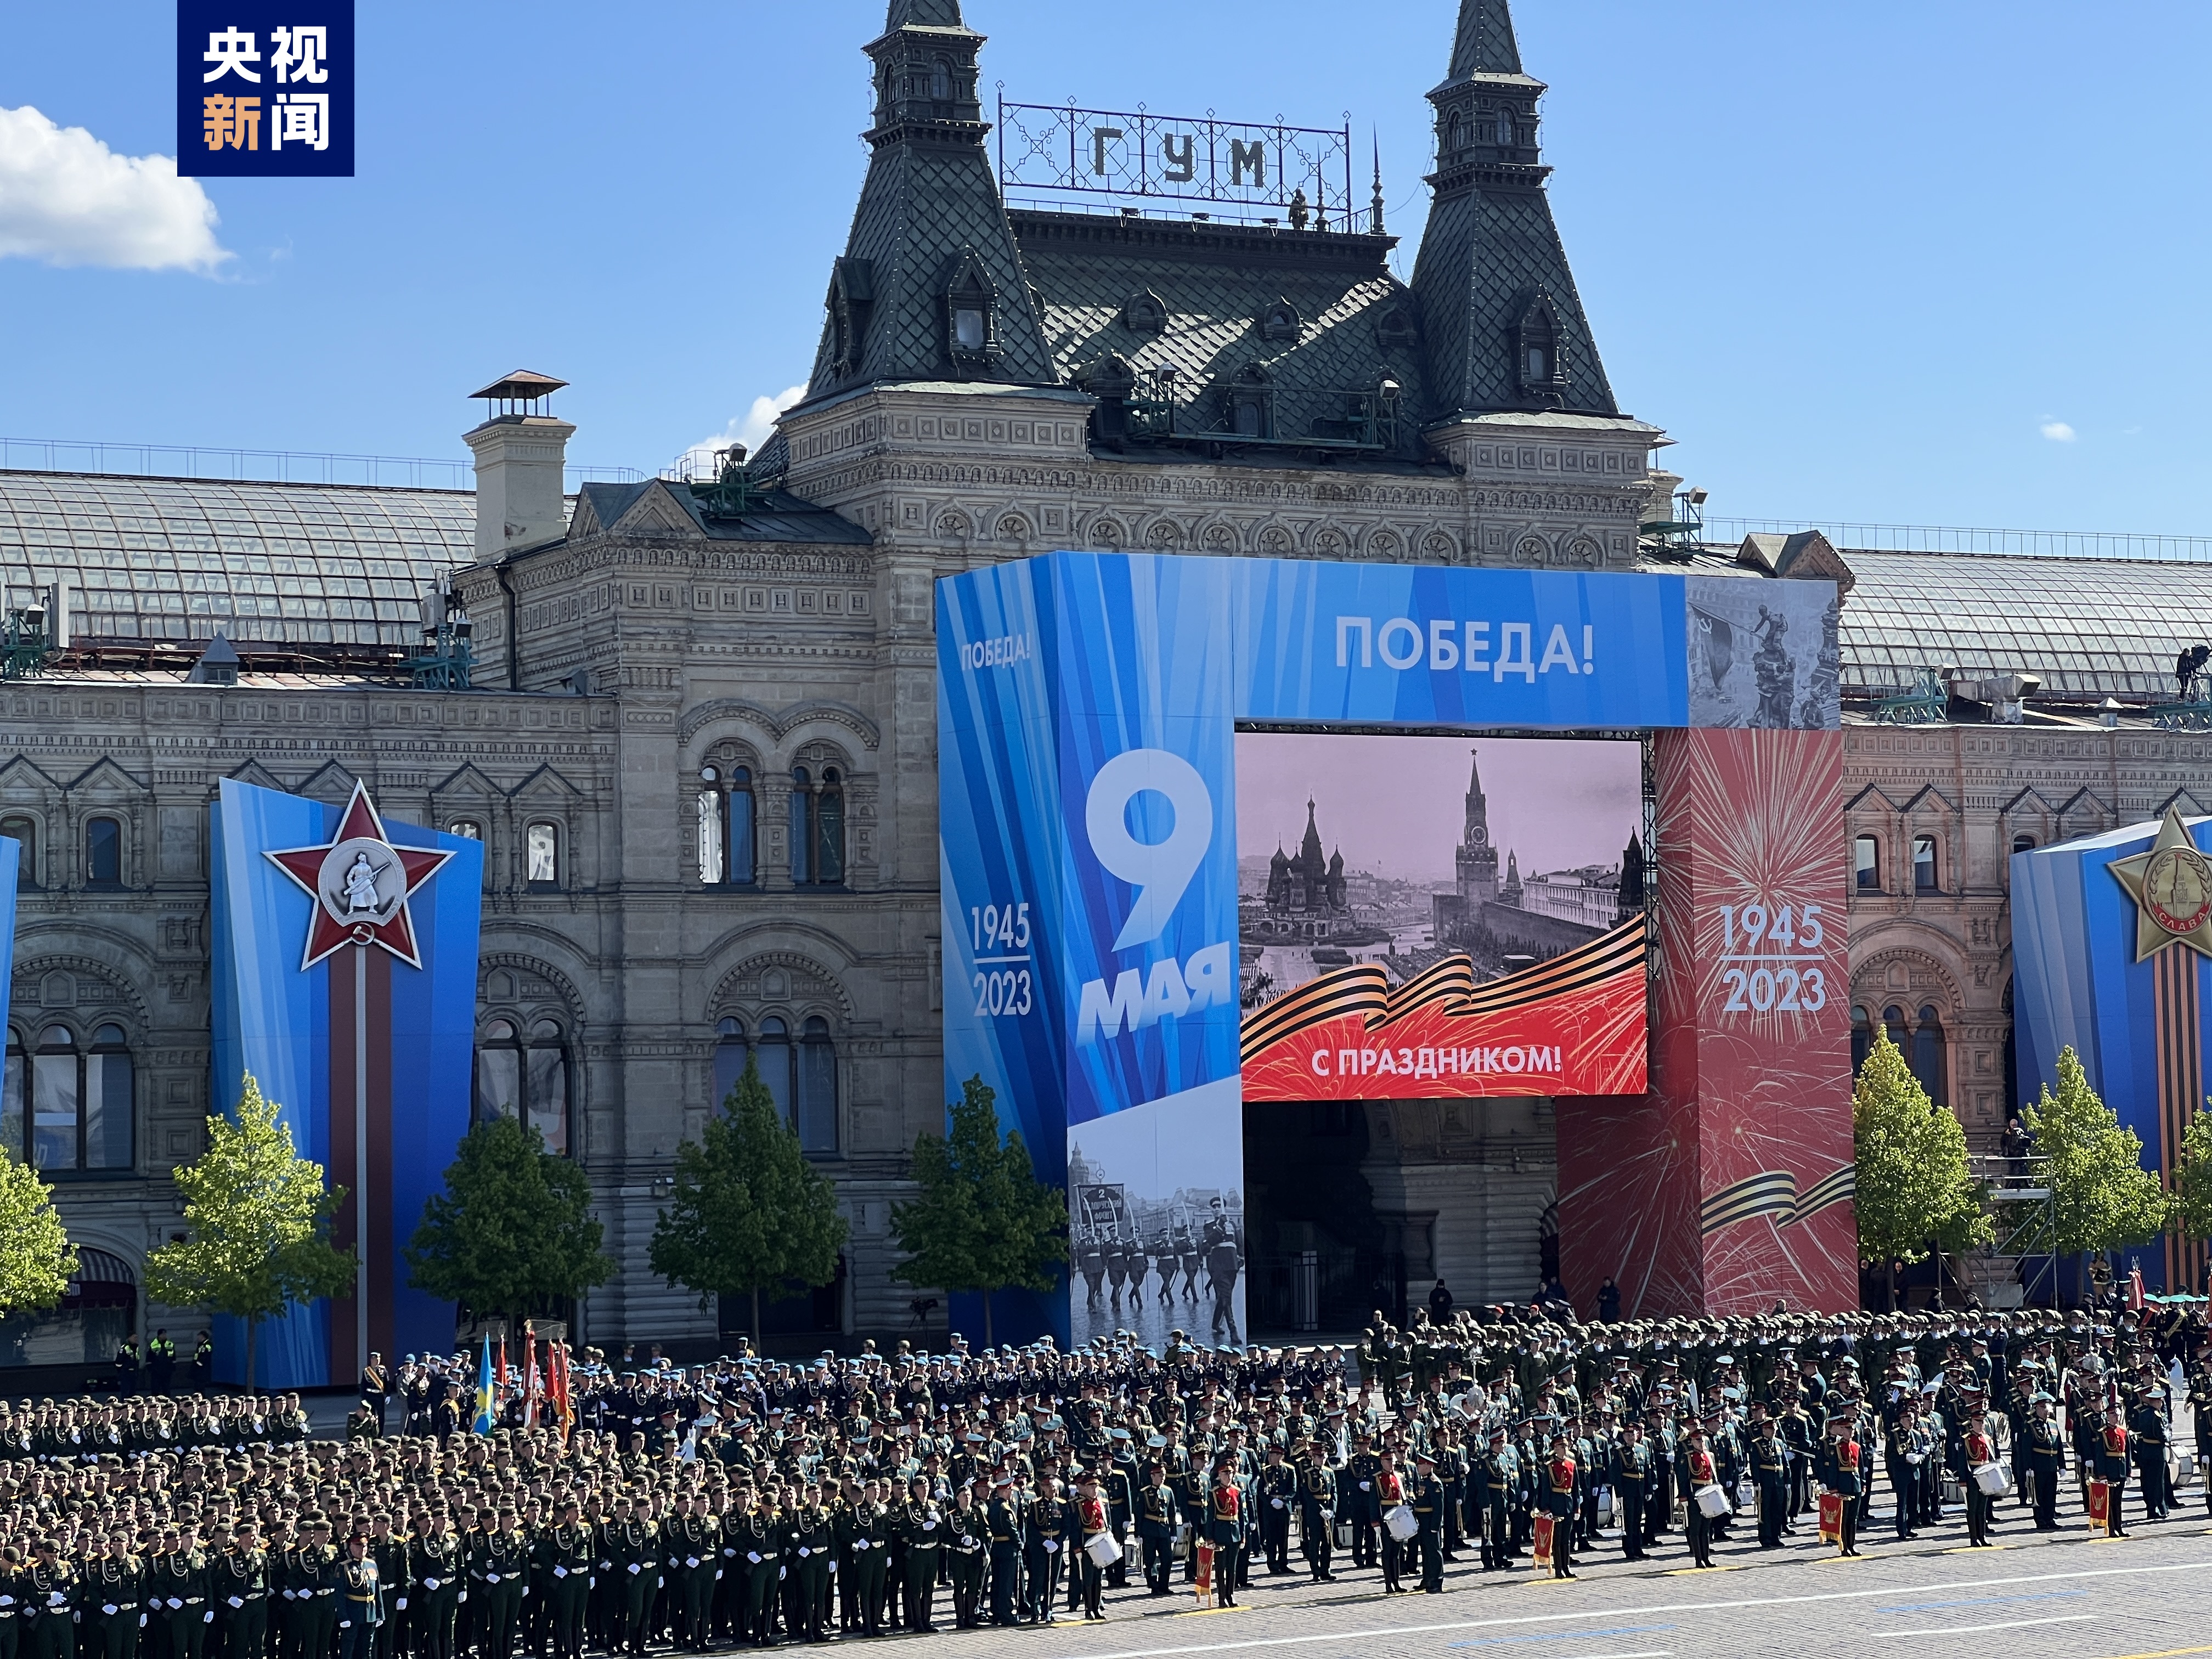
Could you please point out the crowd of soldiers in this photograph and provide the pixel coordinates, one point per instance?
(749, 1501)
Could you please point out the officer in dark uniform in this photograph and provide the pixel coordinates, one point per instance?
(1770, 1469)
(2147, 1429)
(1002, 1522)
(1276, 1489)
(1317, 1506)
(1156, 1524)
(2046, 1461)
(1631, 1475)
(1425, 1495)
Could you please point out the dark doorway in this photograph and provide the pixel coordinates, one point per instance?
(804, 1311)
(1317, 1245)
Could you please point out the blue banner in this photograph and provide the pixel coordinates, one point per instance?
(1087, 710)
(264, 90)
(345, 983)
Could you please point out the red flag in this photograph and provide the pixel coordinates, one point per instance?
(557, 1355)
(530, 1382)
(2135, 1288)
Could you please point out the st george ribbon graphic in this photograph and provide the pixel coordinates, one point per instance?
(345, 984)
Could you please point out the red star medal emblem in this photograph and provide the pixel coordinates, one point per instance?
(360, 883)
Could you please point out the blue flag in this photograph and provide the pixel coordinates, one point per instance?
(486, 1416)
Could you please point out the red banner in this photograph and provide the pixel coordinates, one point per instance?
(1541, 1530)
(2101, 1506)
(1726, 1187)
(1832, 1517)
(1574, 1026)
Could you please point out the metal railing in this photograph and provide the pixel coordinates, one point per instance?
(263, 466)
(1954, 538)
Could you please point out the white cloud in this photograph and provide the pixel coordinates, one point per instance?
(750, 428)
(2057, 431)
(67, 199)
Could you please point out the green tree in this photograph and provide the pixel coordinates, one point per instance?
(37, 1260)
(258, 1224)
(748, 1212)
(2101, 1196)
(982, 1221)
(513, 1232)
(1914, 1191)
(2192, 1178)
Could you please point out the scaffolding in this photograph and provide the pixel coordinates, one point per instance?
(2016, 1197)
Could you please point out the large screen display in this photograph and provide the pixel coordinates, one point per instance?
(1424, 917)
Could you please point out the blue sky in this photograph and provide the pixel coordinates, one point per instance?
(1891, 262)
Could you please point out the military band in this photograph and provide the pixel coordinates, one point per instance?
(753, 1503)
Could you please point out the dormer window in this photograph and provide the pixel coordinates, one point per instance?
(1280, 321)
(1145, 312)
(971, 337)
(1540, 353)
(1394, 327)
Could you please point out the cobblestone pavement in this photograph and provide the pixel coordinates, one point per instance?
(2035, 1594)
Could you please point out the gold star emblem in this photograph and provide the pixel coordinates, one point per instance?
(2172, 886)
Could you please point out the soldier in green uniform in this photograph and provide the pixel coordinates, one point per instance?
(501, 1571)
(1317, 1504)
(564, 1554)
(867, 1537)
(1044, 1541)
(2200, 1402)
(48, 1597)
(433, 1584)
(636, 1551)
(809, 1547)
(1002, 1521)
(694, 1544)
(315, 1588)
(176, 1591)
(964, 1547)
(108, 1596)
(760, 1547)
(238, 1585)
(919, 1525)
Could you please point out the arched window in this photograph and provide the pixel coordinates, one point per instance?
(542, 854)
(1893, 1026)
(1454, 134)
(940, 79)
(26, 832)
(729, 1058)
(1866, 864)
(103, 852)
(528, 1078)
(467, 828)
(2023, 843)
(1924, 872)
(70, 1109)
(816, 1093)
(1505, 129)
(726, 819)
(1862, 1038)
(499, 1071)
(1926, 1055)
(712, 869)
(817, 826)
(546, 1081)
(98, 1311)
(802, 1076)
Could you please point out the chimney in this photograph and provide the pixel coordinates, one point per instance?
(521, 450)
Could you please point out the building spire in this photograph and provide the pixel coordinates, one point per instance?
(931, 287)
(1504, 326)
(1485, 44)
(1375, 209)
(939, 14)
